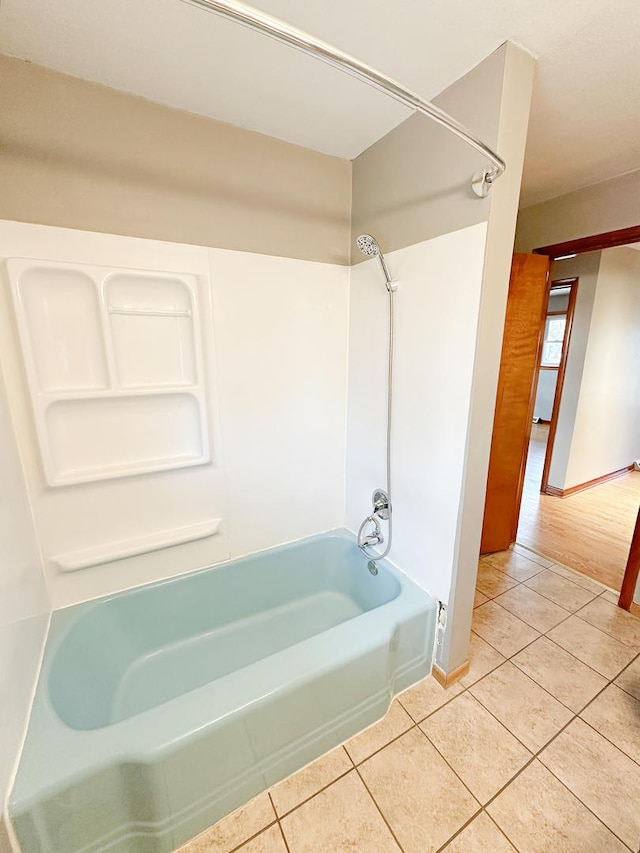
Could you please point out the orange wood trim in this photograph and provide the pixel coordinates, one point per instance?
(446, 679)
(632, 570)
(551, 490)
(593, 243)
(562, 369)
(555, 313)
(564, 493)
(546, 367)
(532, 405)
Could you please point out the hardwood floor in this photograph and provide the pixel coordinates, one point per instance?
(589, 531)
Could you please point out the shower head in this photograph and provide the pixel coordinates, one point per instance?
(368, 245)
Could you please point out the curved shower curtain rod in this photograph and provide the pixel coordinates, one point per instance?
(283, 32)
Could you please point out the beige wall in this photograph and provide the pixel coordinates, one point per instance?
(605, 433)
(80, 155)
(415, 183)
(511, 134)
(606, 206)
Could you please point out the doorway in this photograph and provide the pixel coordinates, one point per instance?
(541, 485)
(551, 371)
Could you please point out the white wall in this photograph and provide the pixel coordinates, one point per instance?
(281, 334)
(585, 268)
(545, 394)
(24, 603)
(598, 430)
(275, 336)
(606, 432)
(437, 302)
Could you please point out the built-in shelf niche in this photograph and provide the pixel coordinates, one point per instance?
(114, 365)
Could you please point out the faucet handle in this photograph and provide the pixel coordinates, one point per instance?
(381, 504)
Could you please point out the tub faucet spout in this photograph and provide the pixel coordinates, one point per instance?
(373, 538)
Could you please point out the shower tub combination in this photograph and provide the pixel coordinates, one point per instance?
(161, 709)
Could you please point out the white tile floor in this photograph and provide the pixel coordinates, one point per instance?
(536, 750)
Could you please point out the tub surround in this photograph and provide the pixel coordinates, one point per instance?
(24, 604)
(253, 312)
(161, 709)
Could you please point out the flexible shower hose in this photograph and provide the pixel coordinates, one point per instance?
(375, 556)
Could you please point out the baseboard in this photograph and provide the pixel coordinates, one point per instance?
(554, 492)
(446, 679)
(564, 493)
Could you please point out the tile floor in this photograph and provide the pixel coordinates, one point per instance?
(536, 750)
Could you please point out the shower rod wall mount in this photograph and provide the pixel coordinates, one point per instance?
(256, 20)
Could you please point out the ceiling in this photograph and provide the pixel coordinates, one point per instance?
(586, 109)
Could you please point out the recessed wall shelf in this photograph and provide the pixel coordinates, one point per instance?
(114, 366)
(88, 557)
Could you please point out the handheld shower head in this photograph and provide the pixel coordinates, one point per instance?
(368, 245)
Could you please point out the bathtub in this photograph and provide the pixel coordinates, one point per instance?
(161, 709)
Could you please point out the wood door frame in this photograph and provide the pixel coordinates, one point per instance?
(532, 405)
(593, 243)
(632, 571)
(562, 369)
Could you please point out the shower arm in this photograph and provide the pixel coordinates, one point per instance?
(256, 20)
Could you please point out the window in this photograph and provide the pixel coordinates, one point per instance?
(553, 337)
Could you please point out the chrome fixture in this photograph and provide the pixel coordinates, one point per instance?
(375, 537)
(368, 245)
(256, 20)
(381, 505)
(370, 532)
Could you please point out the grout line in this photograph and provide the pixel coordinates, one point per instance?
(433, 711)
(536, 755)
(284, 837)
(375, 802)
(286, 813)
(500, 829)
(593, 595)
(531, 751)
(588, 808)
(467, 689)
(518, 616)
(453, 770)
(393, 740)
(238, 846)
(526, 646)
(612, 683)
(633, 648)
(604, 588)
(461, 830)
(609, 741)
(551, 640)
(619, 686)
(275, 811)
